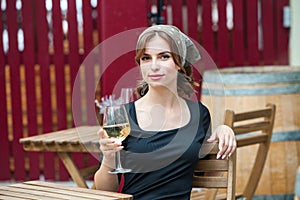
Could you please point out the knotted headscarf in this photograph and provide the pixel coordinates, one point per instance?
(186, 48)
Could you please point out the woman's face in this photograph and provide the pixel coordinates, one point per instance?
(157, 65)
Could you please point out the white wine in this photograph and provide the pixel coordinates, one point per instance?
(117, 131)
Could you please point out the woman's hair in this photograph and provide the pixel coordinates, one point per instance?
(185, 81)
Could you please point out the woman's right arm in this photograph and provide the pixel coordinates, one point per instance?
(104, 180)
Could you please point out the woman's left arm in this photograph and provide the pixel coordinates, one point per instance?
(226, 138)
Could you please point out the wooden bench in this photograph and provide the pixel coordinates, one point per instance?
(51, 191)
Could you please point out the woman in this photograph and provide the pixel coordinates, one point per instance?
(167, 129)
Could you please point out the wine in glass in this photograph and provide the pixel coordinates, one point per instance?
(116, 125)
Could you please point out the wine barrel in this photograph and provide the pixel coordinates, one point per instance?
(247, 88)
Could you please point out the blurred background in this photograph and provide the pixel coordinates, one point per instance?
(44, 42)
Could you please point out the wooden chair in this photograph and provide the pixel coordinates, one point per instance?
(252, 128)
(214, 173)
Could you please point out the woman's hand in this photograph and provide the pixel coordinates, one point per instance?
(108, 148)
(227, 141)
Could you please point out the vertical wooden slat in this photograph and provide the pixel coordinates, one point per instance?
(44, 62)
(223, 36)
(177, 13)
(29, 63)
(73, 59)
(4, 142)
(58, 61)
(60, 86)
(192, 11)
(127, 19)
(13, 58)
(88, 68)
(252, 33)
(282, 34)
(268, 31)
(238, 33)
(207, 38)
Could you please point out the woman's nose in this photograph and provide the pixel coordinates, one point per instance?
(154, 64)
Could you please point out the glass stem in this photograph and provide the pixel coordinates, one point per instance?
(118, 160)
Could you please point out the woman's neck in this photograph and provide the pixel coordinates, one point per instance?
(162, 96)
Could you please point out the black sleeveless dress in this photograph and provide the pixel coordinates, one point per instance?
(163, 161)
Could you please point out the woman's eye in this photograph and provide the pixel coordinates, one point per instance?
(165, 56)
(145, 58)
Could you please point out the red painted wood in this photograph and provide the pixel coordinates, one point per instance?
(58, 61)
(177, 13)
(252, 33)
(29, 62)
(88, 67)
(4, 143)
(268, 23)
(127, 19)
(192, 11)
(238, 33)
(74, 56)
(74, 61)
(13, 58)
(223, 36)
(43, 61)
(60, 86)
(207, 39)
(282, 38)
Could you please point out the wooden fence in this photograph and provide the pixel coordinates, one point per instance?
(43, 44)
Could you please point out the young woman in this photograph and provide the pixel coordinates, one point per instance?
(167, 129)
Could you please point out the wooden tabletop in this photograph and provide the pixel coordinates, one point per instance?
(47, 191)
(79, 139)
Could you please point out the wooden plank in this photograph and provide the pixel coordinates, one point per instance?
(207, 39)
(60, 86)
(177, 14)
(89, 80)
(210, 182)
(252, 32)
(268, 24)
(238, 33)
(282, 38)
(4, 142)
(13, 57)
(192, 12)
(58, 61)
(22, 194)
(127, 19)
(223, 36)
(29, 62)
(216, 165)
(100, 193)
(43, 63)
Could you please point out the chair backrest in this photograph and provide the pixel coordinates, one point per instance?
(253, 127)
(215, 173)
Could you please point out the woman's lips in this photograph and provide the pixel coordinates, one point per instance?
(155, 76)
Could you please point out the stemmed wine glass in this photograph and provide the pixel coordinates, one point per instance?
(116, 125)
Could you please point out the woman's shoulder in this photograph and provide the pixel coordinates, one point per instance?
(197, 103)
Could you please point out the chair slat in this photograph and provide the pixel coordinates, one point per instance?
(211, 165)
(251, 127)
(210, 182)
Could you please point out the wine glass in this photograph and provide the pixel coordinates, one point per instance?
(116, 125)
(127, 95)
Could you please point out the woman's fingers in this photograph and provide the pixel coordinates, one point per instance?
(227, 141)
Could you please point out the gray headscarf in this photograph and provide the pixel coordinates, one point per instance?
(186, 48)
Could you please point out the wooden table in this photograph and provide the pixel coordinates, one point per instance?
(47, 190)
(79, 139)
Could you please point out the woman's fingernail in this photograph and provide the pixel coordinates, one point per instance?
(229, 154)
(224, 156)
(218, 156)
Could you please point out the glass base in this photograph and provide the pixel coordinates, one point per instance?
(119, 171)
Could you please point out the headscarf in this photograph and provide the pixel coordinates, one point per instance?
(186, 48)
